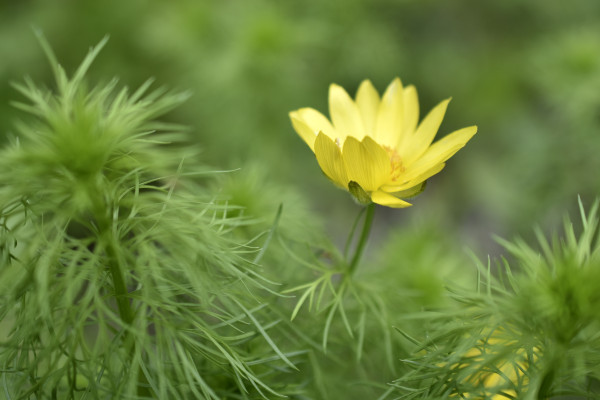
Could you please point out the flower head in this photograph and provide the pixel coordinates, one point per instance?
(374, 147)
(496, 367)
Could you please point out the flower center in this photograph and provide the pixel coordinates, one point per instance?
(395, 161)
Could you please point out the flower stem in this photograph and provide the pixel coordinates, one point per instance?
(121, 293)
(125, 311)
(352, 232)
(362, 241)
(117, 270)
(108, 239)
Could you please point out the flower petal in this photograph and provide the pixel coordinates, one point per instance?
(303, 130)
(433, 159)
(444, 148)
(425, 133)
(367, 163)
(317, 122)
(330, 160)
(388, 200)
(411, 110)
(388, 129)
(412, 191)
(413, 178)
(344, 113)
(367, 101)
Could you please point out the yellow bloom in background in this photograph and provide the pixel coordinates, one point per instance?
(498, 374)
(374, 147)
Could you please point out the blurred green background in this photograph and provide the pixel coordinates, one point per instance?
(527, 72)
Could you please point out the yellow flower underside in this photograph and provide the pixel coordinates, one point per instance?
(499, 380)
(377, 142)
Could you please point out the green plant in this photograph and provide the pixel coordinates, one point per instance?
(528, 332)
(119, 275)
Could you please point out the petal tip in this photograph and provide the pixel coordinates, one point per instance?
(470, 131)
(365, 82)
(443, 104)
(388, 200)
(394, 87)
(335, 87)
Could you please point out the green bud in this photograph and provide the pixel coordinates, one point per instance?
(359, 193)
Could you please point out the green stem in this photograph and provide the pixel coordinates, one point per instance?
(125, 310)
(362, 241)
(107, 238)
(121, 293)
(117, 272)
(352, 232)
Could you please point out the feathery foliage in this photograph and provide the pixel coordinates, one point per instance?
(119, 276)
(128, 269)
(531, 332)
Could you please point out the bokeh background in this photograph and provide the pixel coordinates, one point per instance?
(527, 72)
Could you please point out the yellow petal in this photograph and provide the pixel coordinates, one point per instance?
(411, 110)
(509, 394)
(303, 130)
(386, 199)
(410, 192)
(432, 161)
(330, 160)
(493, 380)
(425, 133)
(444, 148)
(388, 129)
(418, 178)
(413, 177)
(344, 113)
(367, 163)
(317, 122)
(367, 101)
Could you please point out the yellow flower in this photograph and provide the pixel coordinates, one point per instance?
(374, 147)
(498, 374)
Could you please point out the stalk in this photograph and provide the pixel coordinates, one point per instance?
(364, 236)
(116, 272)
